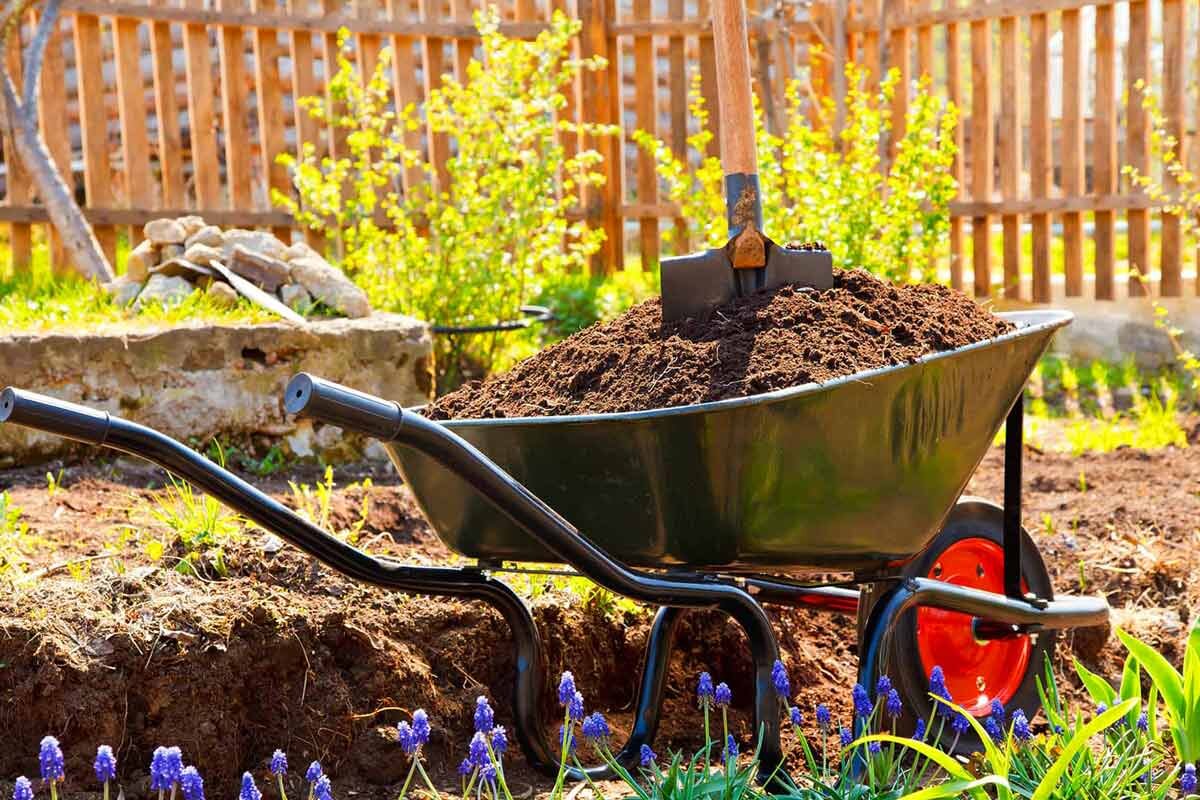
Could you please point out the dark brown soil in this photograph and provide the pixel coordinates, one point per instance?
(285, 653)
(771, 340)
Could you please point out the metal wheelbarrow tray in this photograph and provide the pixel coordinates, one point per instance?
(705, 506)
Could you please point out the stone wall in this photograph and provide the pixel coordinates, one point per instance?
(200, 381)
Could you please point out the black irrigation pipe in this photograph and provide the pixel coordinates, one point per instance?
(530, 315)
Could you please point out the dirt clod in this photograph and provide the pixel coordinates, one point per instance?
(768, 341)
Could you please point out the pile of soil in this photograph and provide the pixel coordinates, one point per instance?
(770, 340)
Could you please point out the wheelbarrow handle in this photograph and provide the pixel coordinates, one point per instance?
(735, 101)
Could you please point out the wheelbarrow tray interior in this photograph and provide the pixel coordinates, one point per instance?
(853, 474)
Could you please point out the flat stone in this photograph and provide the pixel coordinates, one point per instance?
(210, 235)
(140, 260)
(262, 270)
(170, 251)
(164, 289)
(189, 381)
(182, 268)
(328, 285)
(200, 253)
(295, 297)
(255, 241)
(124, 290)
(191, 224)
(165, 231)
(222, 294)
(300, 250)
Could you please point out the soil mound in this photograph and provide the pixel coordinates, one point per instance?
(768, 341)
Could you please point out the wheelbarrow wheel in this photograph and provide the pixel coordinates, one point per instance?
(969, 552)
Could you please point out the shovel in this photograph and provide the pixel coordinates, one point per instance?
(694, 284)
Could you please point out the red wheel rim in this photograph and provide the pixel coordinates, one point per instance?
(977, 672)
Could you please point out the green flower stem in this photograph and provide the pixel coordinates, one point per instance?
(428, 783)
(707, 737)
(106, 790)
(53, 790)
(282, 793)
(568, 732)
(404, 789)
(499, 769)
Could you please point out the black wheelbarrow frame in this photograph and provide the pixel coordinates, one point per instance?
(884, 602)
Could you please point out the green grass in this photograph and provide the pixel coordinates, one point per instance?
(36, 301)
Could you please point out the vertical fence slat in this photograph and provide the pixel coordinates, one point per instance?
(19, 190)
(1073, 178)
(1104, 149)
(602, 204)
(131, 108)
(1040, 168)
(404, 84)
(330, 53)
(678, 86)
(900, 58)
(206, 168)
(272, 133)
(433, 59)
(614, 225)
(463, 48)
(1137, 141)
(304, 84)
(1174, 90)
(645, 85)
(924, 44)
(233, 108)
(954, 94)
(93, 126)
(1010, 149)
(982, 152)
(56, 130)
(708, 80)
(369, 44)
(571, 109)
(166, 111)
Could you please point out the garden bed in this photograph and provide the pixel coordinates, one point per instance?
(284, 653)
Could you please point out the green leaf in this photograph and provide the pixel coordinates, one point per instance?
(1080, 740)
(943, 760)
(956, 788)
(1165, 677)
(1099, 689)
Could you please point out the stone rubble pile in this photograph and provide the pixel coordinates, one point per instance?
(177, 256)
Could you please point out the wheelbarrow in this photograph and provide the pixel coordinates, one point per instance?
(725, 505)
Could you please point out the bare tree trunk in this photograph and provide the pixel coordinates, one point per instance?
(19, 117)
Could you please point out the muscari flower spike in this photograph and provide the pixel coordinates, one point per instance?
(937, 687)
(485, 718)
(406, 738)
(919, 732)
(595, 728)
(795, 716)
(488, 773)
(823, 717)
(882, 687)
(22, 789)
(314, 772)
(779, 677)
(704, 688)
(50, 759)
(477, 750)
(191, 784)
(862, 701)
(249, 789)
(323, 789)
(499, 740)
(1187, 780)
(1143, 722)
(959, 724)
(1101, 708)
(997, 710)
(421, 727)
(174, 764)
(993, 729)
(105, 764)
(1020, 726)
(575, 707)
(647, 756)
(894, 707)
(722, 695)
(465, 767)
(158, 770)
(845, 737)
(731, 748)
(566, 688)
(875, 747)
(279, 763)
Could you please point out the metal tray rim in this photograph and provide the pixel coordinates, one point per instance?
(1027, 322)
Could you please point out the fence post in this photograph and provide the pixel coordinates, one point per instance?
(1174, 83)
(601, 204)
(1137, 143)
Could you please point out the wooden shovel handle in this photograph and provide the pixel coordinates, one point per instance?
(733, 87)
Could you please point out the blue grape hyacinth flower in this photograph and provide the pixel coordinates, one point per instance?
(279, 765)
(158, 770)
(566, 688)
(323, 788)
(22, 789)
(575, 707)
(993, 729)
(1143, 722)
(893, 705)
(249, 790)
(595, 728)
(882, 687)
(959, 724)
(779, 677)
(191, 784)
(646, 756)
(845, 737)
(874, 748)
(730, 753)
(406, 738)
(105, 764)
(50, 759)
(314, 772)
(862, 701)
(722, 695)
(173, 762)
(704, 689)
(997, 710)
(824, 719)
(1187, 779)
(1020, 726)
(796, 718)
(485, 718)
(465, 767)
(421, 727)
(499, 740)
(477, 750)
(920, 730)
(937, 688)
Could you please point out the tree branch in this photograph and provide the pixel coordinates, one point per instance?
(37, 51)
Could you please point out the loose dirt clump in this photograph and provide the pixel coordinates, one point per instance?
(768, 341)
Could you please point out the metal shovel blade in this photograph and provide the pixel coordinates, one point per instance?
(694, 284)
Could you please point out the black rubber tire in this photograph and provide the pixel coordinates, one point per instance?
(971, 518)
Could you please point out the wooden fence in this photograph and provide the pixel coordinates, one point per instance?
(162, 107)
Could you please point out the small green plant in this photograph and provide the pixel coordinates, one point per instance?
(200, 525)
(832, 186)
(315, 503)
(472, 244)
(1178, 192)
(14, 543)
(53, 483)
(1180, 692)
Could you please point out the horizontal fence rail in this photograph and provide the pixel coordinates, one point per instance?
(169, 107)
